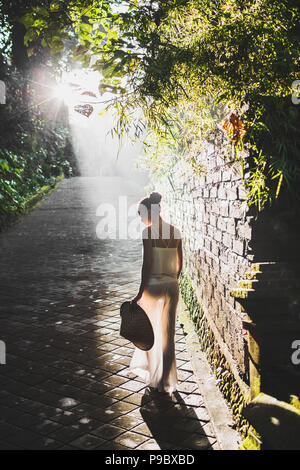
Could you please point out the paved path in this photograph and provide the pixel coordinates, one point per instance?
(66, 383)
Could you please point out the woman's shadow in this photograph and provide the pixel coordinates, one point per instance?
(171, 422)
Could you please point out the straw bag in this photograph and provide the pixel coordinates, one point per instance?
(136, 326)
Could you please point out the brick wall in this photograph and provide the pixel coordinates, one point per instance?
(212, 214)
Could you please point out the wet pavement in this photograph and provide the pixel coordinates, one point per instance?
(65, 384)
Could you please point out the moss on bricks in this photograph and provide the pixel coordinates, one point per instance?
(219, 365)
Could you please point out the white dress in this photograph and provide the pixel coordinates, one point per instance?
(157, 367)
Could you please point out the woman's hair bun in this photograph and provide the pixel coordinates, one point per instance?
(155, 198)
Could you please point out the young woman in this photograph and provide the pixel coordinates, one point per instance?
(158, 296)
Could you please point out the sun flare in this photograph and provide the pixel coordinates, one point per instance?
(64, 93)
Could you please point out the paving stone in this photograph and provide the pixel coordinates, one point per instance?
(133, 386)
(112, 367)
(126, 422)
(189, 387)
(134, 398)
(112, 445)
(43, 443)
(88, 442)
(68, 447)
(107, 347)
(187, 366)
(66, 402)
(46, 427)
(22, 438)
(199, 414)
(108, 431)
(64, 417)
(120, 394)
(135, 414)
(67, 433)
(194, 400)
(130, 439)
(7, 430)
(198, 442)
(207, 429)
(124, 360)
(84, 409)
(119, 409)
(87, 424)
(115, 380)
(184, 375)
(7, 446)
(143, 429)
(149, 445)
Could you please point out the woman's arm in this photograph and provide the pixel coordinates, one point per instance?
(179, 258)
(147, 261)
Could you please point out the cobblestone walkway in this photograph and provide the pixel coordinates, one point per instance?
(66, 384)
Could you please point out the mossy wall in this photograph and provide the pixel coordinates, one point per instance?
(211, 211)
(241, 280)
(219, 365)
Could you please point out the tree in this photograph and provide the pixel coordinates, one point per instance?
(32, 143)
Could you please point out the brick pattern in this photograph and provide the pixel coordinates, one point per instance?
(212, 213)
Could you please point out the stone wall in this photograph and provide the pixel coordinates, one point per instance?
(211, 211)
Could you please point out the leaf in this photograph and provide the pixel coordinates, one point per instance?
(81, 49)
(30, 51)
(85, 110)
(27, 20)
(30, 36)
(4, 164)
(56, 45)
(103, 111)
(233, 125)
(54, 6)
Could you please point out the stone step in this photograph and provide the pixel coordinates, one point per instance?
(249, 275)
(248, 283)
(265, 293)
(274, 328)
(275, 283)
(283, 274)
(277, 422)
(264, 266)
(241, 293)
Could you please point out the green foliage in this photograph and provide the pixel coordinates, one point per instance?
(274, 143)
(20, 178)
(31, 150)
(183, 63)
(34, 131)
